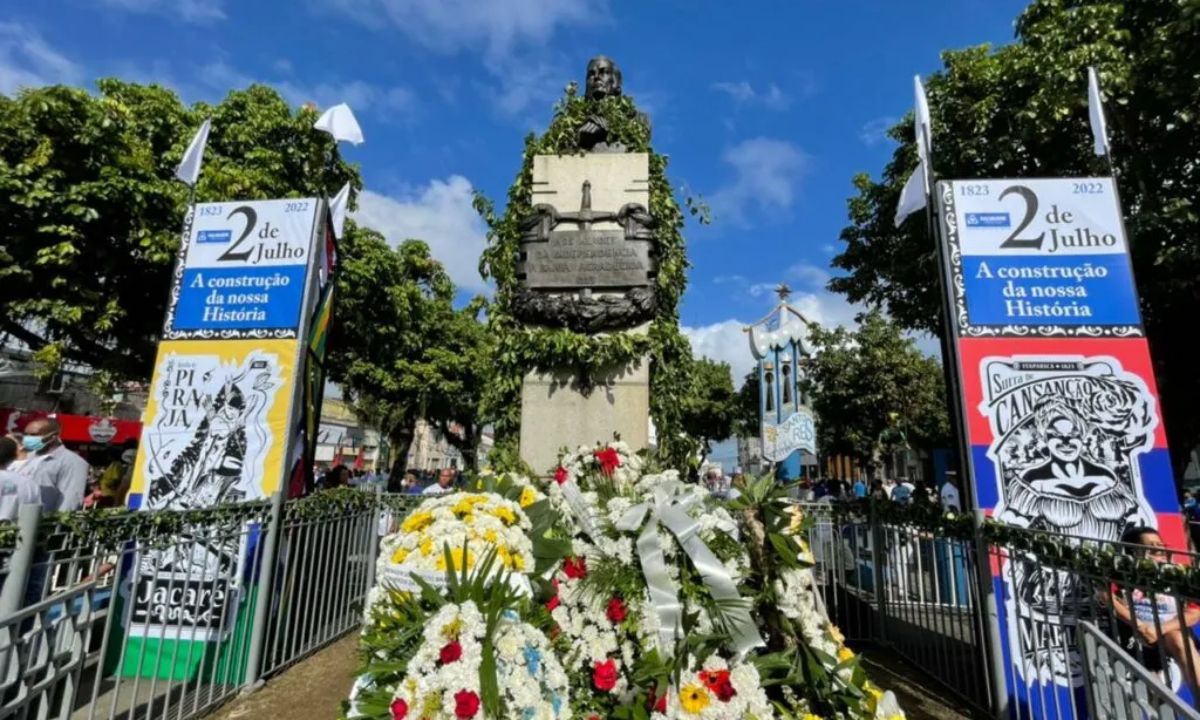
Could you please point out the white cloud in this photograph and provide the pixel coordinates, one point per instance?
(496, 26)
(28, 61)
(743, 93)
(809, 275)
(724, 341)
(526, 87)
(439, 213)
(218, 77)
(201, 12)
(874, 132)
(765, 173)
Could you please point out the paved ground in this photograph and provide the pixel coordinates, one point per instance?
(892, 672)
(310, 690)
(315, 688)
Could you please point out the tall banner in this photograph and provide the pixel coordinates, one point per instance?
(221, 424)
(1059, 402)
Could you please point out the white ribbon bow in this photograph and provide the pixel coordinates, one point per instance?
(671, 511)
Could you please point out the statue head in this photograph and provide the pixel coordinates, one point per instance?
(603, 78)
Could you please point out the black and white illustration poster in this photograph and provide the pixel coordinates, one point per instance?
(1067, 433)
(215, 430)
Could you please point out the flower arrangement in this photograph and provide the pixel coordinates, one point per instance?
(468, 524)
(443, 678)
(665, 605)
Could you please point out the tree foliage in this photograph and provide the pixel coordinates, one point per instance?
(1021, 111)
(869, 385)
(747, 416)
(520, 348)
(710, 405)
(399, 348)
(90, 210)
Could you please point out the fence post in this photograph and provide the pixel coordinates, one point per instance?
(29, 517)
(372, 543)
(989, 617)
(266, 578)
(878, 560)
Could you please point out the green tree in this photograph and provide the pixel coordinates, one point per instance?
(869, 385)
(1021, 111)
(398, 347)
(710, 404)
(90, 211)
(463, 360)
(747, 410)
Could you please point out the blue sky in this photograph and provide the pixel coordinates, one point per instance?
(766, 108)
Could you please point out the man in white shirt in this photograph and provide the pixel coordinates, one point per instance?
(951, 500)
(15, 490)
(60, 474)
(442, 486)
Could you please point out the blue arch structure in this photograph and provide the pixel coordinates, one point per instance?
(779, 343)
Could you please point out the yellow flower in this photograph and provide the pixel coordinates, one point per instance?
(810, 716)
(506, 515)
(456, 557)
(504, 555)
(518, 562)
(489, 535)
(844, 654)
(694, 698)
(463, 507)
(528, 497)
(419, 520)
(399, 556)
(426, 546)
(836, 634)
(451, 630)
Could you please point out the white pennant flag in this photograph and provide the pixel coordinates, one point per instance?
(339, 121)
(912, 197)
(337, 210)
(189, 168)
(1096, 114)
(924, 126)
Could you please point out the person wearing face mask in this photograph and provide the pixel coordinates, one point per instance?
(15, 490)
(61, 475)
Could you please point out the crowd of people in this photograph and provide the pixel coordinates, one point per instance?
(36, 467)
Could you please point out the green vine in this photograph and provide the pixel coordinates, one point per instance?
(521, 349)
(1097, 561)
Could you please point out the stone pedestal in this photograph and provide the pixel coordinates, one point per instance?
(585, 250)
(556, 413)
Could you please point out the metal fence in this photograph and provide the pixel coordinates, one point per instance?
(902, 587)
(1007, 638)
(170, 614)
(1120, 688)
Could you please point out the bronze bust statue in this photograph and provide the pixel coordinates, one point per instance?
(603, 80)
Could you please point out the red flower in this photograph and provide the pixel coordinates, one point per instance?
(466, 704)
(718, 682)
(399, 709)
(713, 678)
(604, 675)
(616, 611)
(560, 475)
(608, 458)
(450, 653)
(575, 568)
(659, 705)
(552, 603)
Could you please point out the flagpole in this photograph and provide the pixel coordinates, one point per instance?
(991, 645)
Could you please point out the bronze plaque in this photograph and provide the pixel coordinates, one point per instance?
(585, 259)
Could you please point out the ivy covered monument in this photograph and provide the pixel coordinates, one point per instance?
(589, 264)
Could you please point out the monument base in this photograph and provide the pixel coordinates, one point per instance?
(557, 413)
